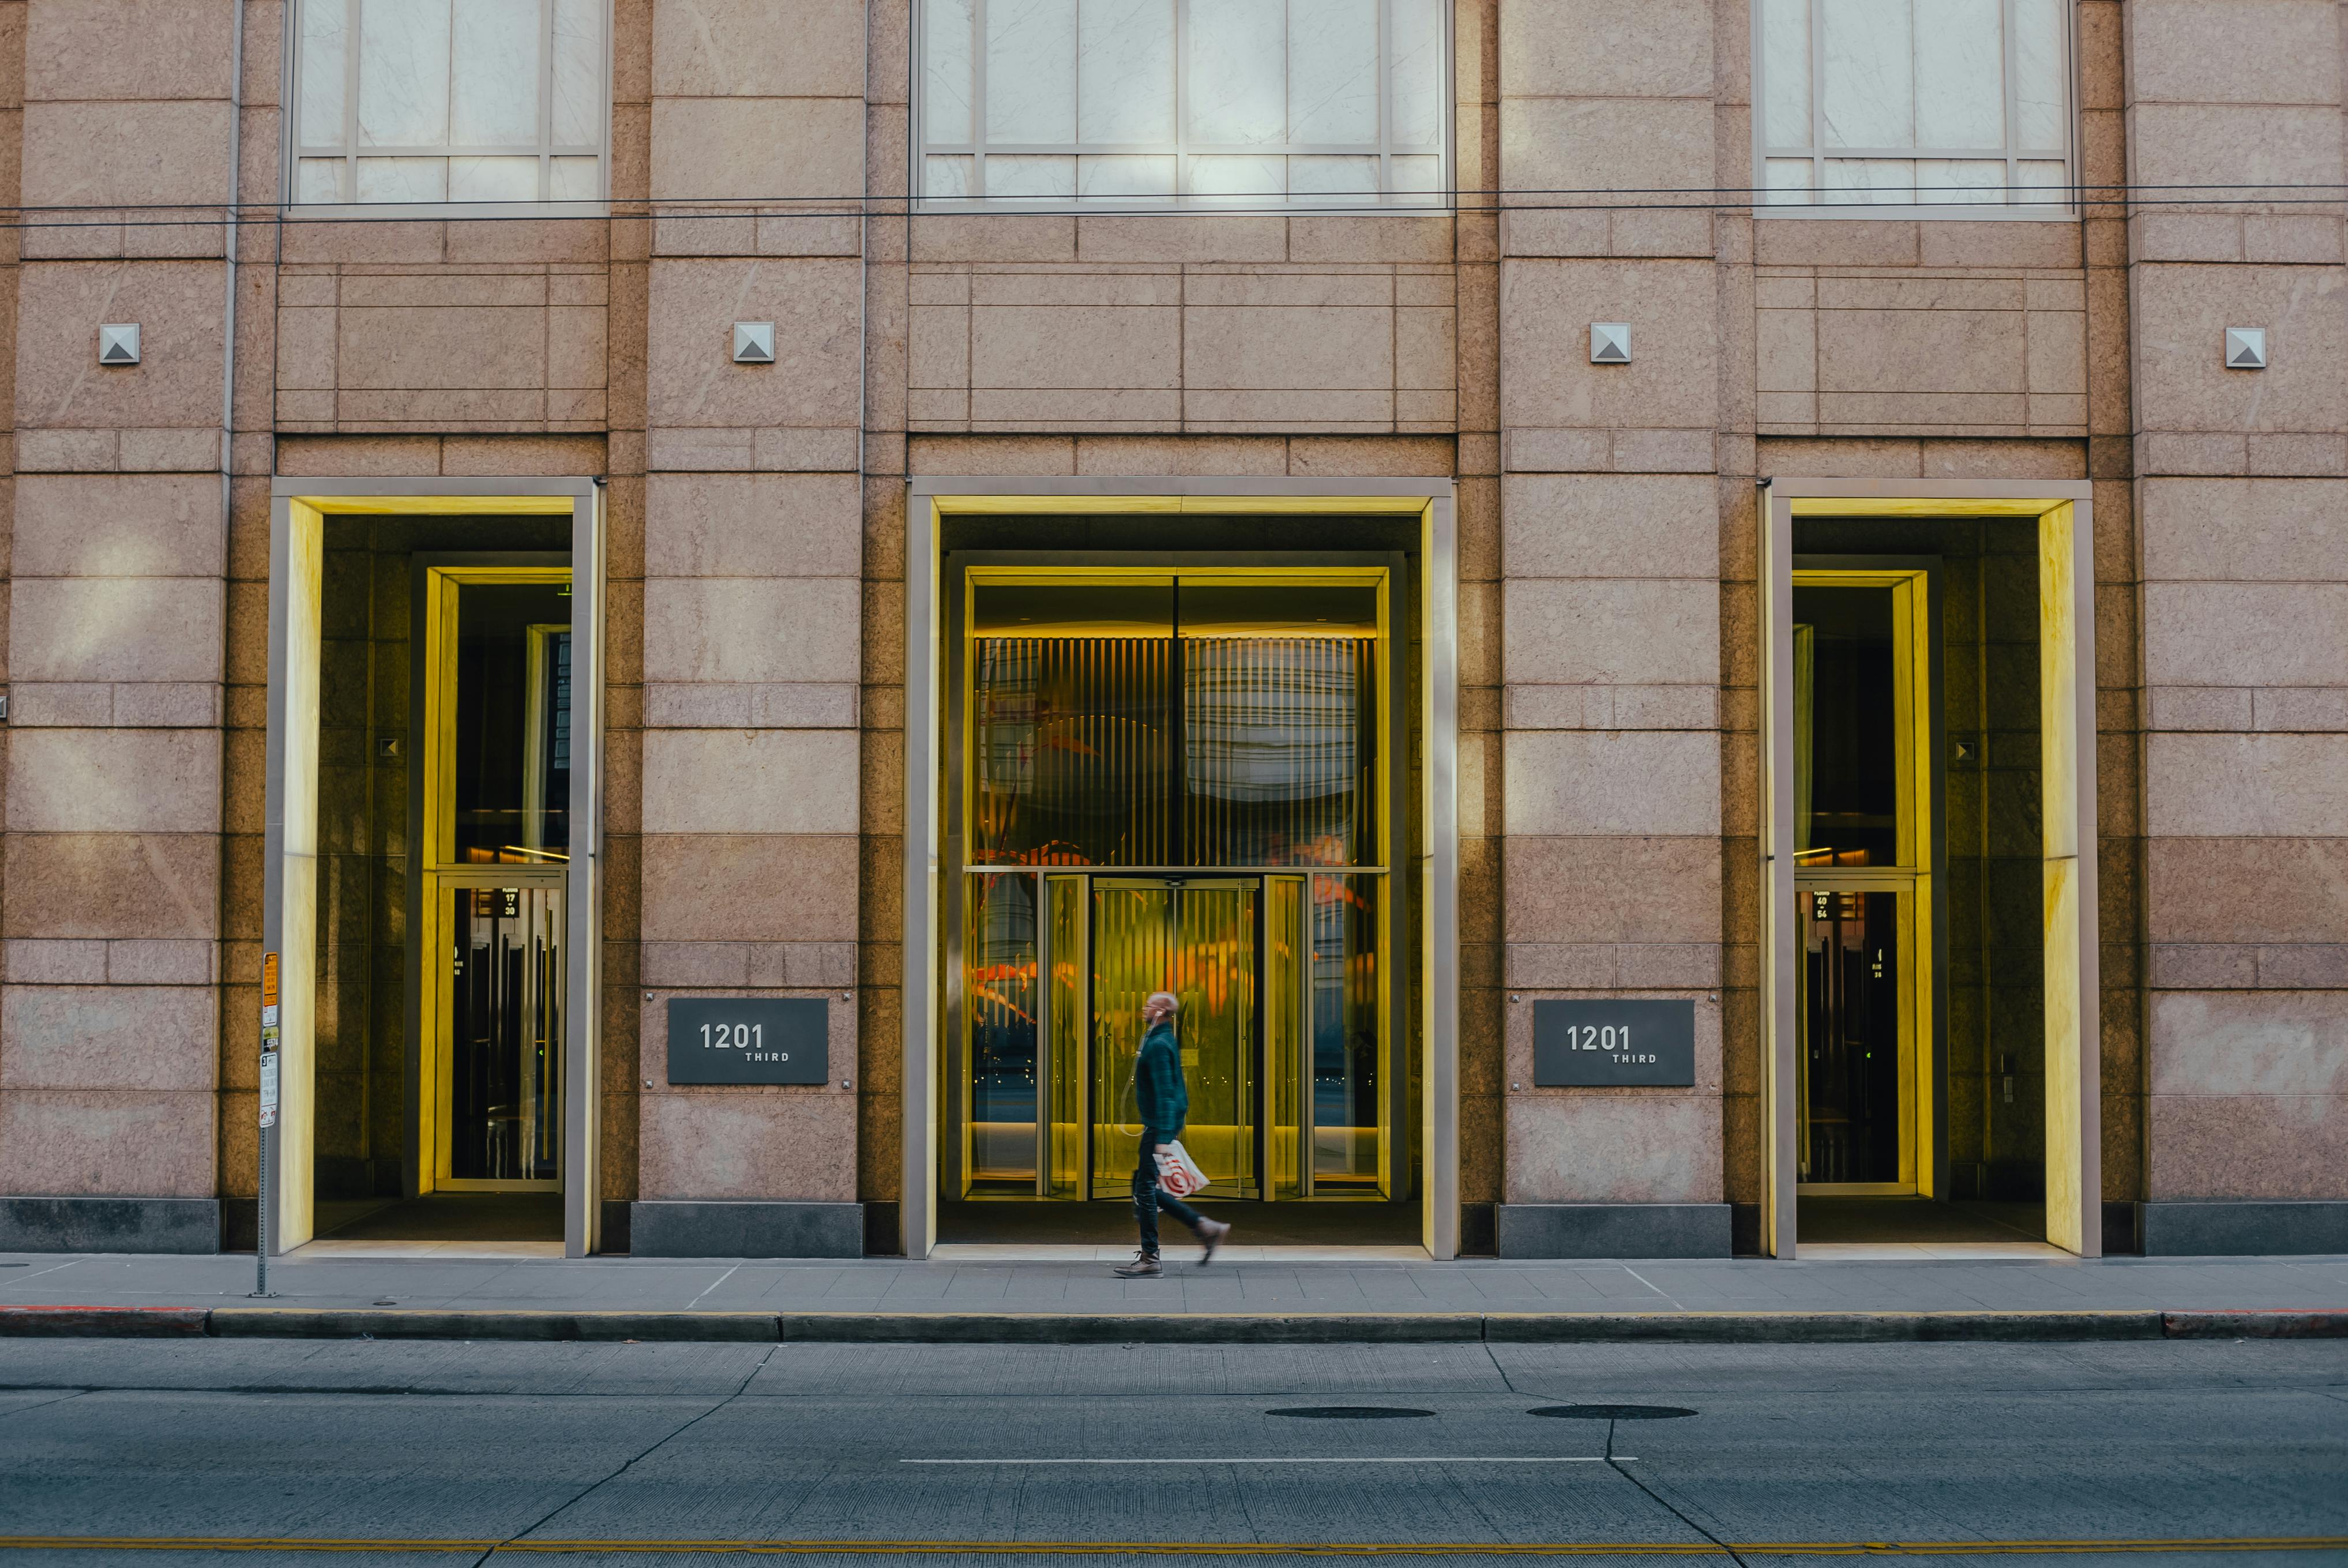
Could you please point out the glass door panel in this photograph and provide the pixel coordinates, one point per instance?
(1197, 941)
(1064, 1020)
(1214, 979)
(1348, 1109)
(501, 1033)
(1287, 1062)
(1850, 1039)
(1000, 1055)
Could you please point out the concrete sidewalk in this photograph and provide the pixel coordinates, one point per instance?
(983, 1300)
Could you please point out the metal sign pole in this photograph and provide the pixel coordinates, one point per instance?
(270, 1038)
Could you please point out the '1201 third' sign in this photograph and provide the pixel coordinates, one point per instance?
(1614, 1042)
(734, 1039)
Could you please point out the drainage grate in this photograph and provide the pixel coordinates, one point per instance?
(1612, 1412)
(1350, 1412)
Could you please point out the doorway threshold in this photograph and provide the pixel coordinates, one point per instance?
(1925, 1251)
(387, 1248)
(1083, 1253)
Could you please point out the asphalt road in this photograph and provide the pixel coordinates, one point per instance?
(448, 1452)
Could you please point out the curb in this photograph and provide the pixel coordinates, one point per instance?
(1164, 1329)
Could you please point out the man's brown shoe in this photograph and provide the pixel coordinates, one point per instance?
(1145, 1265)
(1211, 1236)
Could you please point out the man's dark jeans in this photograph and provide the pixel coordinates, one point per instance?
(1149, 1198)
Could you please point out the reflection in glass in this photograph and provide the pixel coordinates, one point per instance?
(1848, 1042)
(505, 1033)
(1071, 966)
(1285, 1057)
(999, 1020)
(512, 725)
(1244, 733)
(1846, 730)
(1196, 941)
(1345, 1028)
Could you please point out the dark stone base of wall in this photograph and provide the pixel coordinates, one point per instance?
(109, 1225)
(1614, 1230)
(687, 1230)
(2238, 1227)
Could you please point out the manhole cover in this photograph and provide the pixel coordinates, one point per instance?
(1612, 1412)
(1349, 1412)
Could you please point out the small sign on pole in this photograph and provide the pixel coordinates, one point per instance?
(271, 1036)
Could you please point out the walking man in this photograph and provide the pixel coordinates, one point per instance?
(1164, 1102)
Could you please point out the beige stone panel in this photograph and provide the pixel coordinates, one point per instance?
(750, 629)
(1275, 348)
(89, 1142)
(129, 49)
(117, 525)
(2258, 786)
(2245, 530)
(114, 781)
(1546, 377)
(991, 455)
(758, 48)
(764, 887)
(1427, 348)
(1633, 631)
(777, 781)
(1188, 237)
(1140, 456)
(2243, 51)
(59, 307)
(1634, 145)
(1786, 348)
(2246, 1146)
(1075, 346)
(2184, 311)
(2234, 890)
(108, 1037)
(1610, 525)
(1613, 890)
(115, 629)
(1606, 48)
(1083, 409)
(2242, 635)
(1571, 782)
(700, 525)
(1371, 457)
(1612, 1149)
(441, 346)
(937, 352)
(2235, 146)
(691, 377)
(105, 154)
(94, 885)
(2249, 1043)
(1930, 350)
(1020, 237)
(1288, 408)
(762, 149)
(748, 1143)
(1385, 237)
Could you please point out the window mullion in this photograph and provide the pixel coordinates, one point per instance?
(545, 99)
(2009, 58)
(355, 24)
(978, 27)
(1386, 102)
(1182, 100)
(1818, 102)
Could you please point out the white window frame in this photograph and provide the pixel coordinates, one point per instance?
(292, 152)
(1440, 200)
(2065, 209)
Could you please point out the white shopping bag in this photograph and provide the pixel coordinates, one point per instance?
(1176, 1172)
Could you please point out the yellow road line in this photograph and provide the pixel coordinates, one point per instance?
(545, 1547)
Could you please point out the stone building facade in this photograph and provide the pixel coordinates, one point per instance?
(1934, 486)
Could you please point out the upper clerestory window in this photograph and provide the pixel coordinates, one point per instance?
(1160, 105)
(450, 102)
(1941, 108)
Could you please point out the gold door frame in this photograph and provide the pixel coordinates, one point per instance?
(437, 874)
(1911, 881)
(2064, 511)
(1054, 1176)
(1428, 507)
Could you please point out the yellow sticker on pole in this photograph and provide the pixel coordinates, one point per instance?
(269, 979)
